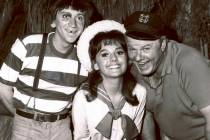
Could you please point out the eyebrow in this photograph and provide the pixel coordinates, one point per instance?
(119, 47)
(64, 11)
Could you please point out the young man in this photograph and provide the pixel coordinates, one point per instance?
(177, 78)
(43, 103)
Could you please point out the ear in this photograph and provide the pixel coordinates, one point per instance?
(95, 66)
(163, 43)
(53, 25)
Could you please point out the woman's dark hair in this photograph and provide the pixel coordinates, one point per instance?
(94, 78)
(91, 13)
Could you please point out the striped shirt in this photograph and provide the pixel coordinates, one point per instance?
(58, 79)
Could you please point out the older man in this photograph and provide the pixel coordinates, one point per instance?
(177, 78)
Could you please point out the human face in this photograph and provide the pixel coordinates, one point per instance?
(111, 60)
(145, 55)
(69, 25)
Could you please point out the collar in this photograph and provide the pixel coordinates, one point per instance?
(167, 66)
(52, 47)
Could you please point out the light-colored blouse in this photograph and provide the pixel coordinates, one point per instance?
(87, 115)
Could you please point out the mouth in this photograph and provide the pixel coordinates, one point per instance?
(70, 31)
(143, 65)
(114, 66)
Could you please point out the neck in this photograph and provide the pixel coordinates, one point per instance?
(61, 45)
(159, 70)
(113, 86)
(155, 78)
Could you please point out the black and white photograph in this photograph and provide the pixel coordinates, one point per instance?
(104, 70)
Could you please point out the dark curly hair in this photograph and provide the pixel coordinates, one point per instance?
(91, 13)
(94, 78)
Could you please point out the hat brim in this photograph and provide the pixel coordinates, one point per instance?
(88, 34)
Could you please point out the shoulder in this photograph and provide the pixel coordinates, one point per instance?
(80, 95)
(140, 92)
(32, 38)
(187, 56)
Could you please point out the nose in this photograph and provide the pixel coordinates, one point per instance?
(113, 57)
(139, 55)
(72, 22)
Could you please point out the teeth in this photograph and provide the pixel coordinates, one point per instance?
(70, 31)
(142, 63)
(115, 66)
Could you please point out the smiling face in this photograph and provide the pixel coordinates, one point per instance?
(145, 55)
(111, 60)
(69, 25)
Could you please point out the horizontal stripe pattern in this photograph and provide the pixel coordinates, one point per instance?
(8, 74)
(9, 83)
(58, 79)
(53, 64)
(33, 39)
(45, 85)
(19, 50)
(65, 79)
(14, 62)
(41, 104)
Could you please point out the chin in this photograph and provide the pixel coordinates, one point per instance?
(114, 75)
(145, 72)
(71, 40)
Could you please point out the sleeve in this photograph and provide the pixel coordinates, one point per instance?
(81, 131)
(12, 65)
(194, 77)
(140, 93)
(148, 128)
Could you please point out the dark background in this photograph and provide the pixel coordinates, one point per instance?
(190, 18)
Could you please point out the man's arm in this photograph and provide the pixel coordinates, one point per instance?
(206, 113)
(148, 130)
(6, 94)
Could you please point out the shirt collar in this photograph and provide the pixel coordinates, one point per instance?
(57, 53)
(167, 66)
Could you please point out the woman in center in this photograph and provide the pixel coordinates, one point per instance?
(110, 105)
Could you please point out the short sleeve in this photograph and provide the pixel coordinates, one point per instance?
(12, 65)
(194, 77)
(81, 131)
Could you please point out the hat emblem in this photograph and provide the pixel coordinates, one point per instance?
(144, 18)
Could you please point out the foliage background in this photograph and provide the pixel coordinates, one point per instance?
(190, 18)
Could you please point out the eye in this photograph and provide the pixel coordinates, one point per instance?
(147, 48)
(104, 54)
(66, 16)
(120, 52)
(80, 18)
